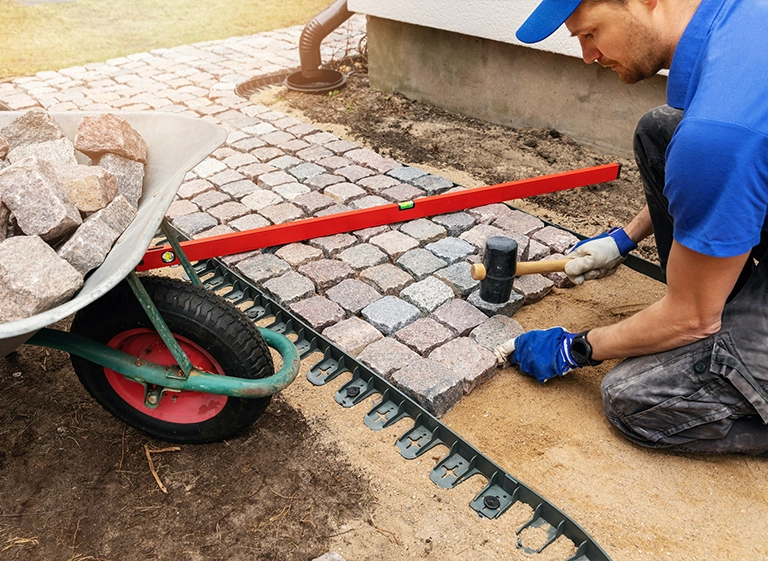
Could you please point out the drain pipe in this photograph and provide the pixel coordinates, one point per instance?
(312, 78)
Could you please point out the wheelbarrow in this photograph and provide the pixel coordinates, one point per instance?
(168, 357)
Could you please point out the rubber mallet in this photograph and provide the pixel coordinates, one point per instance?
(500, 267)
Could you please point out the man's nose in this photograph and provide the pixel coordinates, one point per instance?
(589, 52)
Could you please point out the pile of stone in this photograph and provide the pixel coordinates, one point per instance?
(59, 218)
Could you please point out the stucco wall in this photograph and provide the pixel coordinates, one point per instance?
(466, 59)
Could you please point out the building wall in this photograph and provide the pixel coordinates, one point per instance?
(499, 80)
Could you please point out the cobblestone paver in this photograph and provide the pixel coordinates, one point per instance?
(394, 295)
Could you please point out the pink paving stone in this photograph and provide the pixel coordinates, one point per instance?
(180, 208)
(313, 153)
(369, 201)
(277, 137)
(468, 358)
(215, 231)
(239, 159)
(333, 245)
(429, 383)
(354, 173)
(210, 198)
(249, 222)
(282, 213)
(486, 214)
(366, 234)
(313, 202)
(261, 198)
(424, 335)
(340, 146)
(532, 287)
(459, 316)
(353, 295)
(228, 211)
(478, 235)
(386, 356)
(270, 180)
(319, 312)
(344, 192)
(352, 335)
(296, 254)
(387, 278)
(402, 192)
(537, 251)
(520, 222)
(332, 163)
(559, 240)
(267, 153)
(326, 273)
(394, 243)
(335, 209)
(193, 188)
(561, 280)
(320, 182)
(293, 146)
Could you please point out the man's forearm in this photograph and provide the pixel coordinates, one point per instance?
(640, 227)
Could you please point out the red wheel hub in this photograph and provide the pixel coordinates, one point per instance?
(184, 407)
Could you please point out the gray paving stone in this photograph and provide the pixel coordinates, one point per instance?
(228, 211)
(406, 173)
(195, 187)
(293, 146)
(289, 191)
(319, 312)
(248, 144)
(458, 277)
(194, 223)
(420, 263)
(296, 254)
(263, 267)
(424, 335)
(368, 201)
(352, 335)
(433, 184)
(326, 273)
(402, 192)
(497, 330)
(320, 182)
(487, 214)
(239, 159)
(532, 287)
(353, 295)
(260, 129)
(210, 199)
(423, 230)
(276, 137)
(466, 357)
(386, 356)
(378, 183)
(282, 213)
(335, 209)
(304, 171)
(289, 288)
(331, 246)
(300, 129)
(249, 222)
(394, 243)
(537, 251)
(322, 137)
(354, 173)
(558, 240)
(433, 386)
(459, 316)
(228, 176)
(312, 202)
(451, 250)
(240, 189)
(344, 192)
(270, 180)
(363, 256)
(261, 198)
(180, 208)
(339, 146)
(456, 223)
(507, 308)
(520, 222)
(427, 294)
(390, 314)
(285, 162)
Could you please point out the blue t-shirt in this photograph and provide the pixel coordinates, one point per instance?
(717, 161)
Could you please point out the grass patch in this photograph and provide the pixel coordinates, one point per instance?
(55, 36)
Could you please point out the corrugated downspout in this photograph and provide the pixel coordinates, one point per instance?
(312, 78)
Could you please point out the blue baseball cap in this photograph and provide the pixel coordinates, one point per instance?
(545, 19)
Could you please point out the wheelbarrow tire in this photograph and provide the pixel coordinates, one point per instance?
(217, 338)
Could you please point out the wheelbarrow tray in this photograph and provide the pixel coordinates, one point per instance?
(175, 144)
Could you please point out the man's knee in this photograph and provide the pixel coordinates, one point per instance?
(654, 132)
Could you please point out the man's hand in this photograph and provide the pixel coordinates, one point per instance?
(599, 256)
(542, 354)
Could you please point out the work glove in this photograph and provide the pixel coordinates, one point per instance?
(541, 354)
(598, 257)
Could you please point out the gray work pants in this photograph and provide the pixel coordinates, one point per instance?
(710, 396)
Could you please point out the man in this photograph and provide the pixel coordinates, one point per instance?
(698, 381)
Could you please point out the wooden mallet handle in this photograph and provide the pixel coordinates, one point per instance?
(478, 271)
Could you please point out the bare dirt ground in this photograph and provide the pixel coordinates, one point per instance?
(308, 477)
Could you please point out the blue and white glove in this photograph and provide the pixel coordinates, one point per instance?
(598, 257)
(543, 354)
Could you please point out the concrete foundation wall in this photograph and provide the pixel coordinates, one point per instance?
(508, 84)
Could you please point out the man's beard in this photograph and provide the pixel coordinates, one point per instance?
(645, 46)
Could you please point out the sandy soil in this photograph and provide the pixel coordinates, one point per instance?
(310, 477)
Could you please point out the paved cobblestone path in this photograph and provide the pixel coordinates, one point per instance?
(399, 297)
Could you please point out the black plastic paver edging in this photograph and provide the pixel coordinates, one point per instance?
(462, 460)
